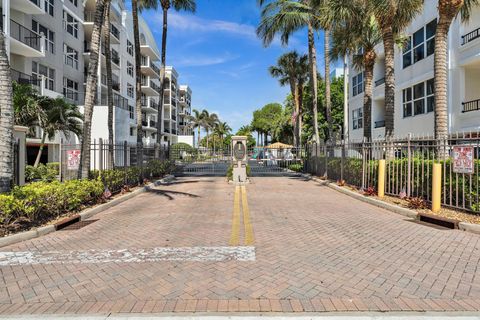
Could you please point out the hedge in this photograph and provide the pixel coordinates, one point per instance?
(43, 172)
(42, 201)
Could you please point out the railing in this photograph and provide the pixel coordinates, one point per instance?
(155, 87)
(23, 78)
(114, 31)
(473, 105)
(466, 38)
(89, 16)
(115, 57)
(116, 86)
(153, 124)
(36, 2)
(174, 117)
(379, 82)
(24, 35)
(380, 124)
(155, 68)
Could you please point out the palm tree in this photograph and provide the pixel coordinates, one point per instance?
(392, 17)
(196, 121)
(359, 32)
(292, 69)
(26, 105)
(222, 129)
(178, 5)
(60, 117)
(6, 119)
(285, 17)
(447, 10)
(209, 122)
(91, 88)
(108, 59)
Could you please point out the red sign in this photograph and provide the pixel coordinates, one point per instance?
(463, 159)
(73, 159)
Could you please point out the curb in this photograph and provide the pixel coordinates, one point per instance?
(378, 203)
(84, 215)
(469, 227)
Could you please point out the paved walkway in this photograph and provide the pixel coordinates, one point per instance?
(301, 248)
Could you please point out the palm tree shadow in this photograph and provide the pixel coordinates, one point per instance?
(171, 183)
(168, 193)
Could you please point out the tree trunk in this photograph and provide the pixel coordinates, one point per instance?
(345, 99)
(312, 57)
(108, 65)
(328, 102)
(295, 94)
(138, 93)
(91, 89)
(40, 150)
(388, 44)
(198, 144)
(6, 120)
(300, 113)
(164, 62)
(369, 63)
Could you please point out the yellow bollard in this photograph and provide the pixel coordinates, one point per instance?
(381, 178)
(436, 187)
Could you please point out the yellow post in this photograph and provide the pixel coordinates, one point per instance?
(436, 187)
(381, 178)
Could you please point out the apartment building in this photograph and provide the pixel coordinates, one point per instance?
(185, 131)
(48, 42)
(414, 95)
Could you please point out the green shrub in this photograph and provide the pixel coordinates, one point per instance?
(40, 201)
(182, 151)
(48, 172)
(297, 167)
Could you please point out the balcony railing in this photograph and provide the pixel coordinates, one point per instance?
(23, 78)
(89, 16)
(24, 35)
(379, 82)
(469, 37)
(114, 31)
(380, 124)
(115, 57)
(473, 105)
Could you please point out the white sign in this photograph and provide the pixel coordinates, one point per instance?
(73, 159)
(463, 160)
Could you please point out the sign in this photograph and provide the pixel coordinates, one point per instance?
(73, 159)
(239, 151)
(463, 159)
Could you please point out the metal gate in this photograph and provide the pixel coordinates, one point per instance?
(267, 161)
(200, 161)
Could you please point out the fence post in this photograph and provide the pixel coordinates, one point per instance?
(100, 154)
(363, 163)
(342, 161)
(436, 186)
(125, 155)
(157, 151)
(409, 165)
(381, 178)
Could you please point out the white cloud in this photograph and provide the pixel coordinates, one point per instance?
(201, 61)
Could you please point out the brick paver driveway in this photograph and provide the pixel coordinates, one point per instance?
(313, 250)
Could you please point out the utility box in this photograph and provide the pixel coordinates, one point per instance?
(239, 159)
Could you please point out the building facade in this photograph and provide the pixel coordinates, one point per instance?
(48, 42)
(414, 87)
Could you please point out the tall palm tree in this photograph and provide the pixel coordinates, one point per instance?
(209, 122)
(178, 5)
(292, 69)
(91, 88)
(196, 122)
(285, 17)
(6, 119)
(60, 117)
(222, 129)
(26, 105)
(392, 17)
(108, 65)
(360, 31)
(447, 10)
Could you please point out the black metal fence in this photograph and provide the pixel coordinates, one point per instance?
(409, 164)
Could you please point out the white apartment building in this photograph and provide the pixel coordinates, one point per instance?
(185, 131)
(48, 42)
(414, 96)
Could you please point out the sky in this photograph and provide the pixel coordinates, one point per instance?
(217, 53)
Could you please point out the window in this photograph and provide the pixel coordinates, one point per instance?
(71, 56)
(40, 70)
(357, 84)
(70, 89)
(49, 36)
(132, 132)
(131, 111)
(49, 6)
(129, 68)
(357, 116)
(419, 99)
(74, 2)
(70, 24)
(129, 48)
(420, 45)
(130, 90)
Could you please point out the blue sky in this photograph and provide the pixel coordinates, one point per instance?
(217, 53)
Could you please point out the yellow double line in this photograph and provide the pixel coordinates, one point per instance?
(241, 192)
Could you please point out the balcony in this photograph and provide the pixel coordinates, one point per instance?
(149, 105)
(115, 38)
(379, 82)
(28, 6)
(149, 125)
(148, 51)
(469, 37)
(149, 88)
(148, 68)
(23, 78)
(380, 124)
(25, 42)
(473, 105)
